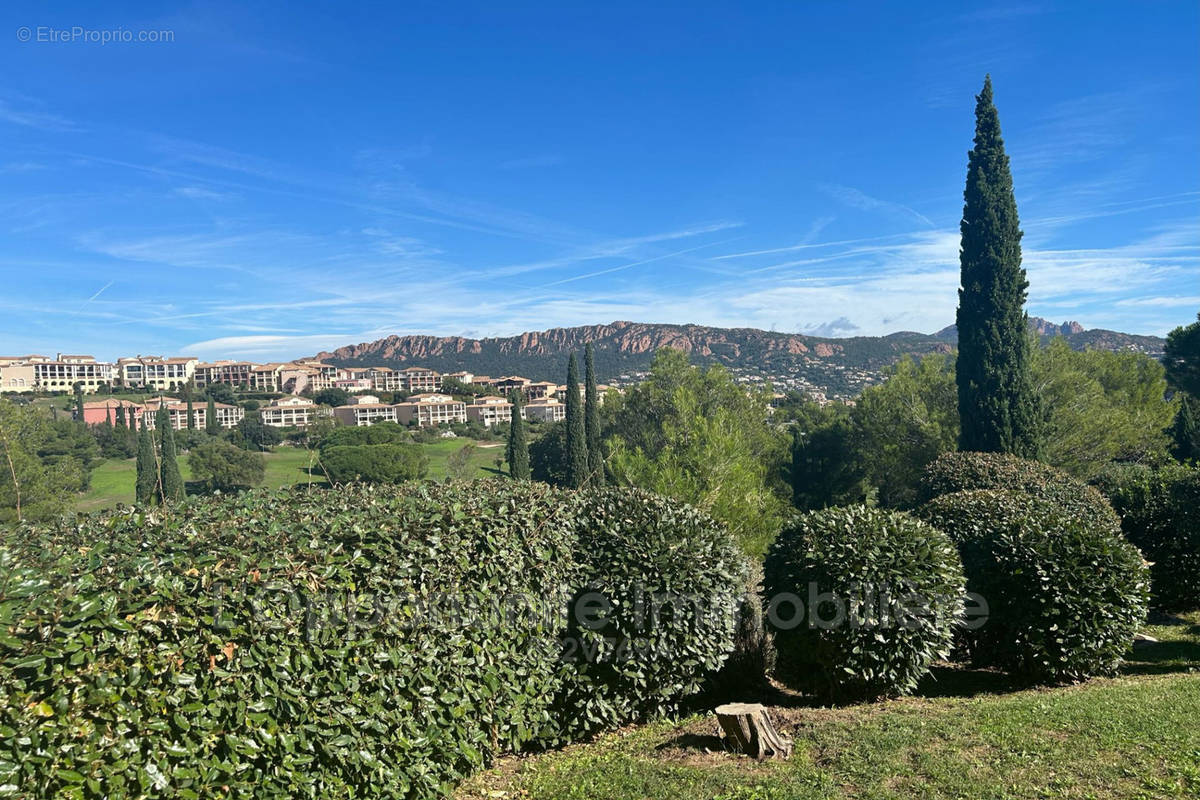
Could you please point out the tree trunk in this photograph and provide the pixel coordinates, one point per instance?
(748, 730)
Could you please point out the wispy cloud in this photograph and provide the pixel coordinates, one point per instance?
(856, 198)
(30, 118)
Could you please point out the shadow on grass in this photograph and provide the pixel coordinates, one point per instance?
(1160, 658)
(693, 741)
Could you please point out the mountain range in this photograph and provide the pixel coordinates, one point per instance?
(838, 366)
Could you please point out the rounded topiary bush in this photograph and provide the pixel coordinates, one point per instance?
(958, 472)
(363, 641)
(1065, 593)
(1160, 513)
(861, 601)
(656, 608)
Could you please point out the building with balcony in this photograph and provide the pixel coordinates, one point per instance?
(428, 410)
(548, 410)
(420, 379)
(16, 375)
(291, 412)
(491, 411)
(103, 411)
(234, 373)
(65, 372)
(366, 413)
(155, 372)
(227, 416)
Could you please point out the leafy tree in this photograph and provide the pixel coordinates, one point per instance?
(577, 457)
(1181, 357)
(591, 414)
(458, 463)
(903, 424)
(1100, 407)
(211, 425)
(1185, 431)
(221, 393)
(379, 433)
(696, 435)
(221, 466)
(172, 481)
(255, 434)
(517, 453)
(996, 399)
(32, 487)
(375, 463)
(332, 397)
(825, 468)
(548, 455)
(146, 488)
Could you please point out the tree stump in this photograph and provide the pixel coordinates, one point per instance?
(748, 730)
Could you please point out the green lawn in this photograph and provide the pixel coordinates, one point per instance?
(112, 480)
(967, 736)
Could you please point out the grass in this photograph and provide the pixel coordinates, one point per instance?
(112, 481)
(966, 735)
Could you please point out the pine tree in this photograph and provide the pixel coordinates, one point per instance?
(577, 458)
(211, 426)
(172, 480)
(1186, 431)
(996, 399)
(591, 419)
(146, 488)
(518, 448)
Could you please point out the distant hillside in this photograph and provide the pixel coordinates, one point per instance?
(837, 366)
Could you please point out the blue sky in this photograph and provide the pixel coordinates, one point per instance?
(281, 179)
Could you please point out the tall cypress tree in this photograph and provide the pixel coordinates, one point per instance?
(996, 400)
(1186, 431)
(518, 447)
(172, 480)
(591, 419)
(211, 426)
(577, 458)
(146, 488)
(121, 416)
(79, 402)
(191, 418)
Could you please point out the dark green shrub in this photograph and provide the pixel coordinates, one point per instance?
(1160, 513)
(958, 472)
(656, 607)
(290, 644)
(374, 463)
(379, 433)
(1065, 592)
(861, 601)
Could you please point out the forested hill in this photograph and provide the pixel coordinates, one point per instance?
(624, 348)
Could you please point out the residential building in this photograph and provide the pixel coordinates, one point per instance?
(365, 413)
(491, 411)
(235, 373)
(16, 375)
(291, 412)
(66, 371)
(548, 410)
(354, 385)
(420, 379)
(227, 416)
(560, 392)
(155, 372)
(461, 377)
(504, 386)
(386, 379)
(427, 410)
(540, 390)
(265, 377)
(317, 376)
(103, 411)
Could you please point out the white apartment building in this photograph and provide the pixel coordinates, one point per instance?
(63, 373)
(291, 412)
(366, 413)
(235, 373)
(491, 411)
(155, 372)
(428, 410)
(547, 410)
(420, 379)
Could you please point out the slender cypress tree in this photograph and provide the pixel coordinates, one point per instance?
(996, 399)
(191, 416)
(211, 426)
(518, 447)
(79, 402)
(1186, 431)
(146, 488)
(108, 415)
(121, 423)
(577, 458)
(172, 480)
(591, 419)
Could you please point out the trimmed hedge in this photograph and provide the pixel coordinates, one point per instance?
(289, 644)
(656, 612)
(897, 582)
(1066, 593)
(1160, 513)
